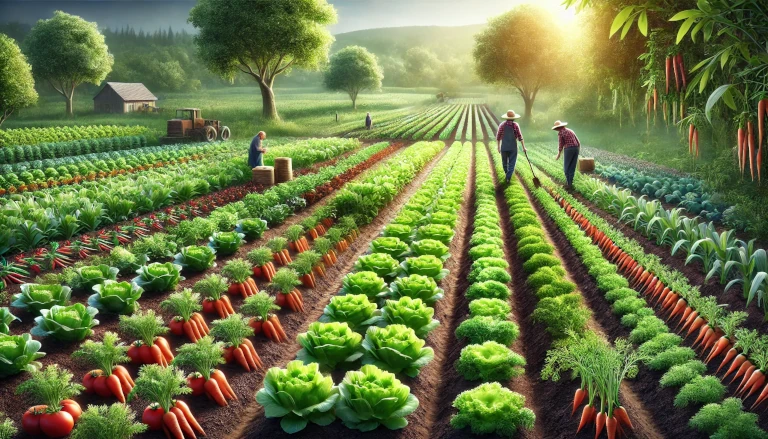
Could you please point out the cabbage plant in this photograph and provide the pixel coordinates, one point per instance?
(86, 277)
(116, 297)
(299, 394)
(157, 277)
(400, 231)
(396, 348)
(492, 408)
(427, 247)
(353, 309)
(226, 243)
(384, 265)
(413, 313)
(371, 397)
(19, 353)
(36, 297)
(427, 265)
(490, 361)
(329, 344)
(196, 258)
(438, 232)
(6, 318)
(365, 282)
(390, 245)
(416, 286)
(66, 323)
(252, 228)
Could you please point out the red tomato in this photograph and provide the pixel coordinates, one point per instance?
(208, 307)
(229, 354)
(89, 378)
(57, 424)
(196, 382)
(153, 417)
(30, 422)
(134, 354)
(145, 353)
(73, 408)
(177, 326)
(100, 387)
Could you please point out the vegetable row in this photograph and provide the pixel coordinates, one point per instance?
(33, 136)
(48, 151)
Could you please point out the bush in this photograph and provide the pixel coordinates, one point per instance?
(491, 408)
(620, 293)
(488, 290)
(540, 260)
(557, 288)
(608, 282)
(628, 305)
(542, 276)
(630, 320)
(659, 343)
(701, 390)
(526, 252)
(496, 308)
(672, 357)
(490, 361)
(727, 421)
(647, 328)
(483, 328)
(497, 274)
(682, 374)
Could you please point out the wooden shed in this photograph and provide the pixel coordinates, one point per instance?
(123, 97)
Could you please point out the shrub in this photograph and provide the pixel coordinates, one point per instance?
(527, 251)
(483, 328)
(671, 357)
(542, 276)
(701, 390)
(608, 282)
(659, 343)
(628, 305)
(647, 328)
(557, 288)
(490, 361)
(496, 308)
(497, 274)
(540, 260)
(620, 293)
(488, 289)
(682, 374)
(491, 408)
(727, 421)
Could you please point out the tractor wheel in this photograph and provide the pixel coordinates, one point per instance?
(224, 135)
(209, 133)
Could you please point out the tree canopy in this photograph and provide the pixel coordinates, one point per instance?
(66, 51)
(262, 38)
(522, 49)
(352, 70)
(17, 87)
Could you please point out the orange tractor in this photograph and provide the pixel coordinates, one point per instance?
(188, 126)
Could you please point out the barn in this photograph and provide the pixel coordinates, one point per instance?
(123, 97)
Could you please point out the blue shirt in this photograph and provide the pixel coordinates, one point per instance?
(254, 155)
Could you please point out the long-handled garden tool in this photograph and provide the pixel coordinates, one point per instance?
(536, 181)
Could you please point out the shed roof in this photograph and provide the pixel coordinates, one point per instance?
(130, 91)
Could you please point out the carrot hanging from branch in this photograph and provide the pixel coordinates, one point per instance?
(696, 140)
(751, 147)
(691, 130)
(740, 148)
(681, 68)
(668, 72)
(675, 68)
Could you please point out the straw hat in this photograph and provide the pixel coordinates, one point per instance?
(511, 115)
(559, 124)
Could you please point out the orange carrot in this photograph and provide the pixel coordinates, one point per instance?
(718, 348)
(668, 71)
(201, 322)
(621, 415)
(611, 425)
(249, 357)
(221, 380)
(696, 140)
(755, 381)
(690, 139)
(228, 305)
(190, 333)
(763, 395)
(270, 332)
(212, 388)
(252, 350)
(157, 355)
(677, 75)
(165, 348)
(276, 323)
(114, 385)
(599, 423)
(183, 424)
(188, 415)
(587, 415)
(747, 375)
(751, 148)
(170, 422)
(241, 360)
(702, 333)
(735, 364)
(123, 372)
(578, 398)
(745, 366)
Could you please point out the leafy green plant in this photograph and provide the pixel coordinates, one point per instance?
(562, 314)
(19, 353)
(367, 283)
(416, 286)
(88, 276)
(483, 263)
(540, 260)
(488, 290)
(157, 247)
(226, 243)
(727, 420)
(160, 385)
(260, 256)
(36, 297)
(252, 228)
(438, 232)
(329, 344)
(50, 386)
(116, 421)
(158, 278)
(490, 361)
(491, 408)
(396, 348)
(116, 297)
(104, 355)
(201, 357)
(682, 374)
(6, 318)
(66, 323)
(497, 274)
(495, 308)
(299, 394)
(430, 247)
(237, 270)
(7, 429)
(126, 261)
(353, 309)
(671, 357)
(700, 390)
(384, 265)
(484, 328)
(371, 397)
(196, 258)
(628, 305)
(390, 245)
(401, 231)
(413, 313)
(660, 343)
(486, 251)
(144, 326)
(647, 328)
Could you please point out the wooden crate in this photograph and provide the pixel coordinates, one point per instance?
(264, 175)
(587, 165)
(283, 169)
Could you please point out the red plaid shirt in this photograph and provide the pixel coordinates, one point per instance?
(568, 139)
(514, 126)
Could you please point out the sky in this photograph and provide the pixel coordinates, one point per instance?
(353, 14)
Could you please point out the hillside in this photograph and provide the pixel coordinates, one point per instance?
(446, 42)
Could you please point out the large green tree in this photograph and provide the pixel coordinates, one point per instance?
(524, 50)
(67, 51)
(263, 39)
(17, 87)
(352, 70)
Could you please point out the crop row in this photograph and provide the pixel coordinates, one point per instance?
(408, 130)
(657, 347)
(462, 124)
(33, 136)
(490, 128)
(431, 129)
(450, 128)
(390, 129)
(46, 151)
(469, 134)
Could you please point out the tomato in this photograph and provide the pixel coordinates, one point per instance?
(196, 382)
(30, 422)
(145, 353)
(177, 326)
(153, 417)
(73, 408)
(57, 424)
(256, 324)
(89, 378)
(100, 387)
(229, 354)
(133, 353)
(208, 307)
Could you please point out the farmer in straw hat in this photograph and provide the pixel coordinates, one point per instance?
(507, 137)
(569, 146)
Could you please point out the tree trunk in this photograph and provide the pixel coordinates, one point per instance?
(529, 100)
(268, 104)
(70, 109)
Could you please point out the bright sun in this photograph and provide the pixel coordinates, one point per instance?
(567, 16)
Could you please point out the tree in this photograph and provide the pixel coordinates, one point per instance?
(17, 87)
(353, 69)
(263, 39)
(522, 49)
(422, 66)
(67, 51)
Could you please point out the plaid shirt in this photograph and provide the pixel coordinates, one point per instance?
(568, 139)
(514, 126)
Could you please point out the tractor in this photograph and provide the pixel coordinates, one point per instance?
(188, 127)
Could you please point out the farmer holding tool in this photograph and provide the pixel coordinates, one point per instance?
(569, 145)
(507, 137)
(256, 152)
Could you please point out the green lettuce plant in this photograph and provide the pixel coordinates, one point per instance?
(252, 228)
(371, 397)
(329, 344)
(438, 232)
(384, 265)
(36, 297)
(116, 297)
(390, 245)
(430, 247)
(353, 309)
(490, 361)
(413, 313)
(157, 277)
(6, 318)
(491, 408)
(495, 308)
(299, 394)
(226, 243)
(428, 265)
(484, 328)
(401, 231)
(396, 348)
(19, 353)
(481, 264)
(66, 323)
(196, 258)
(365, 282)
(87, 277)
(489, 289)
(416, 286)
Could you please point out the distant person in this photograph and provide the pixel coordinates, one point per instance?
(256, 152)
(507, 137)
(368, 122)
(568, 145)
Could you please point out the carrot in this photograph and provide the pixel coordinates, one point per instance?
(122, 371)
(253, 353)
(190, 332)
(291, 302)
(677, 77)
(587, 415)
(313, 234)
(172, 423)
(763, 395)
(735, 364)
(667, 71)
(221, 310)
(696, 142)
(690, 139)
(157, 355)
(718, 348)
(599, 423)
(686, 312)
(681, 303)
(751, 147)
(683, 76)
(740, 147)
(183, 423)
(691, 318)
(621, 415)
(165, 348)
(212, 389)
(702, 334)
(745, 366)
(115, 386)
(188, 416)
(755, 381)
(249, 357)
(698, 323)
(228, 304)
(270, 332)
(747, 375)
(221, 380)
(276, 323)
(611, 425)
(578, 398)
(241, 360)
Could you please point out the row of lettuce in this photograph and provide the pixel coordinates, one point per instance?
(34, 136)
(423, 124)
(657, 347)
(157, 383)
